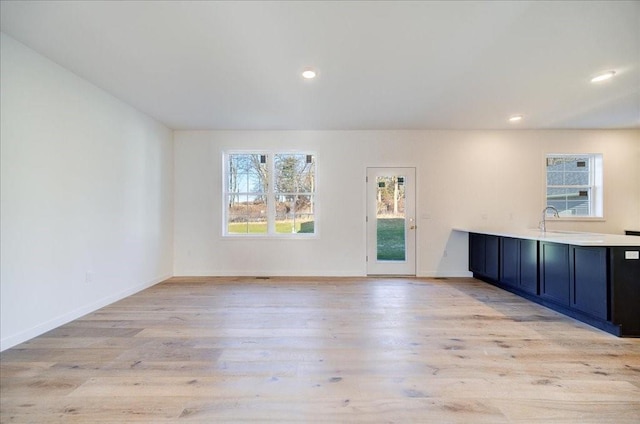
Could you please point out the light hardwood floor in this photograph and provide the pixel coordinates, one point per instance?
(213, 350)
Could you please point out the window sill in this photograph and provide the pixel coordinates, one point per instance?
(270, 237)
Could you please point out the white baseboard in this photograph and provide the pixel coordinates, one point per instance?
(246, 273)
(15, 339)
(447, 274)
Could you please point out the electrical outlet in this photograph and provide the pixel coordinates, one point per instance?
(632, 254)
(88, 277)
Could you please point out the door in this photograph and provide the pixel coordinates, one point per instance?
(588, 277)
(510, 261)
(554, 272)
(391, 223)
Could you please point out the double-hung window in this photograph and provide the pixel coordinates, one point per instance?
(269, 193)
(574, 185)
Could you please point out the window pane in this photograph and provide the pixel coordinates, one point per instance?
(578, 194)
(246, 163)
(555, 178)
(246, 214)
(390, 219)
(578, 201)
(557, 197)
(237, 225)
(390, 195)
(580, 163)
(576, 178)
(294, 214)
(237, 204)
(578, 208)
(570, 201)
(247, 173)
(307, 225)
(256, 183)
(294, 185)
(237, 219)
(555, 193)
(284, 207)
(304, 217)
(560, 205)
(295, 173)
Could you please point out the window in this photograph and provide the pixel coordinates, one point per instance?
(574, 185)
(294, 189)
(246, 193)
(269, 193)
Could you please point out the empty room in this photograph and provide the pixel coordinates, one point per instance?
(320, 211)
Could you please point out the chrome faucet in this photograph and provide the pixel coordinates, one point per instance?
(543, 223)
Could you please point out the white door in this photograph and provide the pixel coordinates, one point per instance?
(391, 223)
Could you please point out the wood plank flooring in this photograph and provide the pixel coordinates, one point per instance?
(205, 350)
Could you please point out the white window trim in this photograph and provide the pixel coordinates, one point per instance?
(271, 207)
(597, 187)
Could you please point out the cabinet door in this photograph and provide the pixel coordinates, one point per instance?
(476, 253)
(589, 288)
(529, 266)
(510, 261)
(624, 277)
(554, 272)
(484, 255)
(492, 257)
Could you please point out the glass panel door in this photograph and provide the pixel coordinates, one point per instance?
(391, 229)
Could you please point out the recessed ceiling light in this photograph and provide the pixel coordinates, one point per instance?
(603, 76)
(516, 118)
(308, 73)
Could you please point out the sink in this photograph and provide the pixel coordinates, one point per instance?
(556, 232)
(552, 233)
(565, 232)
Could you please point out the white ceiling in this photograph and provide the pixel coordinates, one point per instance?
(382, 65)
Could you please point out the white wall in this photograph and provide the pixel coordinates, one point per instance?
(89, 191)
(86, 196)
(464, 178)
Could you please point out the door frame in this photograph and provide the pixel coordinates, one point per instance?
(392, 268)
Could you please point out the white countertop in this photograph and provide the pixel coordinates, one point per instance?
(565, 237)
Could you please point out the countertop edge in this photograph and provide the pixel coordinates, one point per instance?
(573, 238)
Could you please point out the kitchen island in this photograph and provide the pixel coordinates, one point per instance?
(592, 277)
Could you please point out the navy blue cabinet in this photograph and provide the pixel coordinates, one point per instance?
(529, 265)
(599, 285)
(477, 253)
(510, 263)
(519, 264)
(484, 255)
(624, 280)
(589, 287)
(554, 272)
(492, 257)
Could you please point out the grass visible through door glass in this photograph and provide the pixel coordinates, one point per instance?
(391, 245)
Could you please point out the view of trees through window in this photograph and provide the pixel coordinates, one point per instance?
(270, 193)
(294, 188)
(390, 219)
